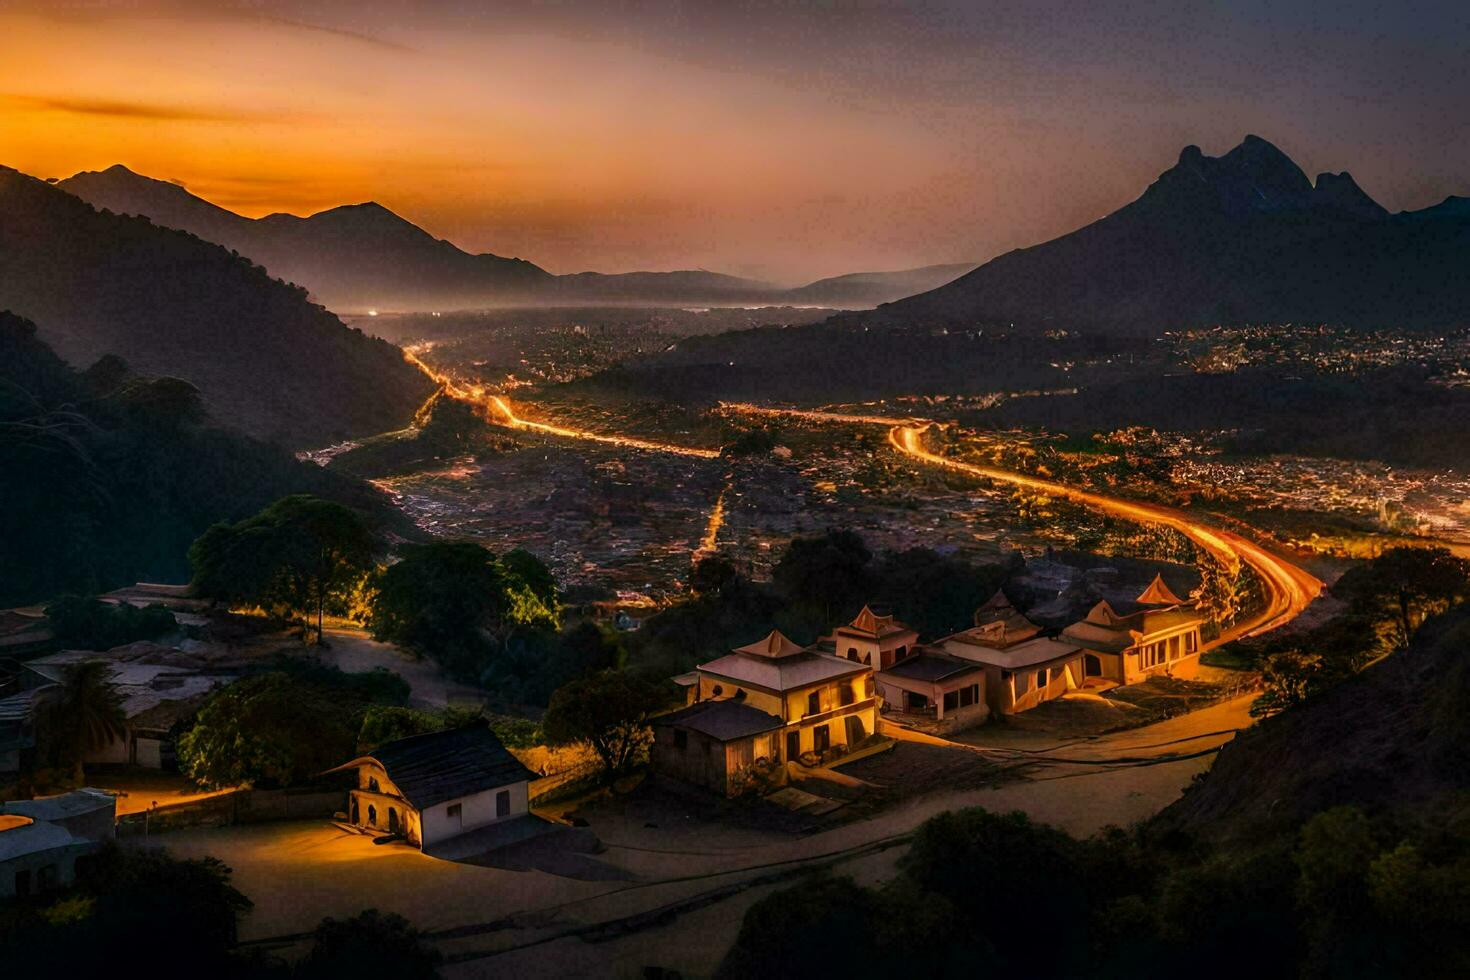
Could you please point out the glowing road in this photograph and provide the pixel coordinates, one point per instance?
(1289, 589)
(499, 409)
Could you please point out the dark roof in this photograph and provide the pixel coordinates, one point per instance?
(931, 667)
(722, 720)
(439, 766)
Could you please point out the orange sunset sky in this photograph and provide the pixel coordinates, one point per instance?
(779, 140)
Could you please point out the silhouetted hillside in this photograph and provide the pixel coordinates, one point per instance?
(106, 477)
(357, 256)
(1241, 238)
(1390, 740)
(363, 256)
(168, 303)
(860, 290)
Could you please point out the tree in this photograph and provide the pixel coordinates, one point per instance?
(712, 575)
(388, 723)
(1405, 586)
(447, 599)
(609, 711)
(299, 555)
(275, 729)
(370, 944)
(122, 894)
(91, 624)
(82, 715)
(830, 574)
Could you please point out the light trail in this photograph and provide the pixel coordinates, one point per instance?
(1289, 588)
(707, 544)
(498, 407)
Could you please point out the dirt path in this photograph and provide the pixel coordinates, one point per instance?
(691, 883)
(355, 651)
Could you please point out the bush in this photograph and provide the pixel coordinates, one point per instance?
(91, 624)
(370, 944)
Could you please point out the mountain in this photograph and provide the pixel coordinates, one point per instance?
(355, 257)
(266, 360)
(363, 256)
(860, 290)
(107, 477)
(1245, 237)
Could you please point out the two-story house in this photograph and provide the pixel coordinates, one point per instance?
(761, 706)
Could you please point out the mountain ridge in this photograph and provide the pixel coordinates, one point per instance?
(170, 303)
(355, 257)
(1243, 237)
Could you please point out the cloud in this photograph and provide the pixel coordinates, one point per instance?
(151, 111)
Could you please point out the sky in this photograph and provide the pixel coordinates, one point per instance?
(780, 140)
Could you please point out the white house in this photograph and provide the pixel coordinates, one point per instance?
(431, 787)
(40, 840)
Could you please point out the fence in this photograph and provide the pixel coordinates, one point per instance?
(240, 807)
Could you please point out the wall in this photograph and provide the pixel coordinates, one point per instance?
(757, 697)
(241, 806)
(63, 859)
(701, 761)
(476, 810)
(1064, 676)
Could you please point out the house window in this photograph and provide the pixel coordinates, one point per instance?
(1041, 678)
(814, 703)
(821, 739)
(455, 811)
(373, 784)
(502, 803)
(681, 739)
(716, 691)
(46, 880)
(951, 700)
(969, 695)
(901, 652)
(844, 694)
(739, 694)
(852, 653)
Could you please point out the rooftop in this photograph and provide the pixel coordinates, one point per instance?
(931, 666)
(783, 673)
(85, 800)
(869, 624)
(722, 720)
(1028, 654)
(439, 766)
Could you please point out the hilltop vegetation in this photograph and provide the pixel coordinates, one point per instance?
(264, 359)
(107, 477)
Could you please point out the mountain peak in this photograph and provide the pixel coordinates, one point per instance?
(1340, 192)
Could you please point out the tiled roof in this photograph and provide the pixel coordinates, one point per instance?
(439, 766)
(783, 673)
(722, 720)
(1028, 654)
(931, 666)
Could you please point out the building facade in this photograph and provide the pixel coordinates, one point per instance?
(1158, 634)
(760, 707)
(429, 788)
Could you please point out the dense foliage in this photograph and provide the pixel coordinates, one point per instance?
(80, 715)
(107, 478)
(121, 897)
(1387, 598)
(369, 944)
(609, 711)
(458, 603)
(819, 582)
(981, 893)
(91, 624)
(300, 556)
(285, 726)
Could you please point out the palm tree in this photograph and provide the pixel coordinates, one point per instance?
(82, 715)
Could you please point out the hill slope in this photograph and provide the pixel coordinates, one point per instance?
(858, 290)
(267, 361)
(107, 477)
(1390, 740)
(1241, 238)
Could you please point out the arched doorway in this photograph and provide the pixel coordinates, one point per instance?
(372, 815)
(393, 826)
(356, 811)
(1091, 666)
